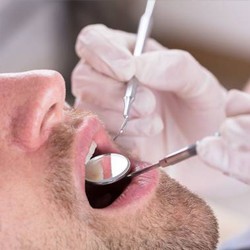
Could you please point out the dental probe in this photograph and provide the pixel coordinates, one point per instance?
(144, 28)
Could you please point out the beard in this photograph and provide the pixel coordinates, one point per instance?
(172, 217)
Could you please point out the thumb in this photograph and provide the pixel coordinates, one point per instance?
(237, 103)
(216, 153)
(213, 151)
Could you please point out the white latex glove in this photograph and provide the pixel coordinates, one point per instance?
(230, 153)
(177, 103)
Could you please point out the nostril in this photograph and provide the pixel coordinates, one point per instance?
(49, 115)
(37, 108)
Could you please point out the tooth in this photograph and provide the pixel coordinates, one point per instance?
(92, 149)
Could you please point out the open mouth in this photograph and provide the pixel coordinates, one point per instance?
(121, 193)
(101, 196)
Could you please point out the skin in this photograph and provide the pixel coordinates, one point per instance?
(43, 204)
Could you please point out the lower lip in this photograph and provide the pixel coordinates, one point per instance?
(140, 188)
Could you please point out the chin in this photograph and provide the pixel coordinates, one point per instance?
(169, 217)
(152, 211)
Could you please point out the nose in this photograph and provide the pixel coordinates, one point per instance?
(38, 107)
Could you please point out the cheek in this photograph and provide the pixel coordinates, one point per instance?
(21, 182)
(21, 165)
(5, 129)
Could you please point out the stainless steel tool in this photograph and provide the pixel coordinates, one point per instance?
(144, 29)
(110, 168)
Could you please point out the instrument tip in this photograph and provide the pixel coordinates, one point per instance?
(121, 128)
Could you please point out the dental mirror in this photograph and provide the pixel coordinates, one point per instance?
(110, 168)
(106, 169)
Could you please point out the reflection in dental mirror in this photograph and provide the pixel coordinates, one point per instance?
(104, 169)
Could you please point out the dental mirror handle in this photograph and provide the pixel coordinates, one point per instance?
(171, 159)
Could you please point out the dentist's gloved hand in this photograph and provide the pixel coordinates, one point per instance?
(230, 152)
(177, 103)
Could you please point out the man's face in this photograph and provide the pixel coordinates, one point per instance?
(43, 203)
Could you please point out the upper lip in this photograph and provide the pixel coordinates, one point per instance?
(91, 130)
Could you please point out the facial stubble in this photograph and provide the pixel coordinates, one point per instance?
(174, 218)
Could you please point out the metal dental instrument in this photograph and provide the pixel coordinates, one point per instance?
(144, 28)
(110, 168)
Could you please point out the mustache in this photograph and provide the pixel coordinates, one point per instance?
(59, 181)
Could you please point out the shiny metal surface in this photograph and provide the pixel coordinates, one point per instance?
(144, 29)
(101, 171)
